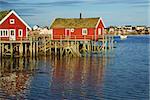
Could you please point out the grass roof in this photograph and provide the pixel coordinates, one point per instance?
(74, 23)
(3, 14)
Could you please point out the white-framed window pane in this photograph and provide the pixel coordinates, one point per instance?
(6, 33)
(84, 32)
(12, 21)
(20, 32)
(12, 32)
(1, 33)
(99, 31)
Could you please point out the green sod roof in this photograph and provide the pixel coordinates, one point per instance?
(3, 14)
(75, 23)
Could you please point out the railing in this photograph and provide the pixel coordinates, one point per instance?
(55, 37)
(77, 37)
(14, 39)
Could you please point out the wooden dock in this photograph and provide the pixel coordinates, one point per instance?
(45, 45)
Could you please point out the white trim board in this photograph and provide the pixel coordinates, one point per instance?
(13, 12)
(100, 19)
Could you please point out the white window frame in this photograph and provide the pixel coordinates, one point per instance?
(12, 21)
(2, 33)
(99, 31)
(72, 30)
(11, 30)
(10, 36)
(20, 35)
(84, 29)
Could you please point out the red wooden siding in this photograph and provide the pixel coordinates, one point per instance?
(17, 25)
(92, 32)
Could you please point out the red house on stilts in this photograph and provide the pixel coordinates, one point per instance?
(77, 28)
(12, 27)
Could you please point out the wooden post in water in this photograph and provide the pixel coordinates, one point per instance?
(50, 46)
(11, 50)
(112, 42)
(88, 47)
(0, 48)
(30, 48)
(3, 46)
(61, 47)
(106, 43)
(25, 48)
(45, 45)
(37, 48)
(77, 47)
(109, 43)
(55, 48)
(103, 39)
(21, 49)
(34, 48)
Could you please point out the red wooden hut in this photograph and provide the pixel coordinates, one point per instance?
(77, 28)
(12, 26)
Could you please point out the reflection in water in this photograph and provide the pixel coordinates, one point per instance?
(52, 77)
(75, 77)
(15, 76)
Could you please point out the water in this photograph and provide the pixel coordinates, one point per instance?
(121, 74)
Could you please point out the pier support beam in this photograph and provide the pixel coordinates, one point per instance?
(11, 50)
(21, 50)
(55, 48)
(25, 49)
(37, 46)
(33, 48)
(0, 48)
(30, 47)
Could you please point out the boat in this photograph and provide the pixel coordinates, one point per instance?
(122, 37)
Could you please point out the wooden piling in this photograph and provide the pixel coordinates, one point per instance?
(25, 49)
(37, 46)
(30, 47)
(55, 48)
(21, 50)
(33, 48)
(45, 45)
(61, 47)
(11, 50)
(3, 46)
(0, 48)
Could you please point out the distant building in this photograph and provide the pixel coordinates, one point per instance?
(128, 28)
(12, 26)
(148, 28)
(140, 27)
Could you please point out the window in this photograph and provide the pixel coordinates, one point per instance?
(20, 32)
(12, 32)
(1, 32)
(72, 30)
(12, 21)
(84, 31)
(99, 31)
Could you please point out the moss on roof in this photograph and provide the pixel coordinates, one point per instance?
(74, 23)
(3, 14)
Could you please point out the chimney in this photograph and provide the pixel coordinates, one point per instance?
(80, 15)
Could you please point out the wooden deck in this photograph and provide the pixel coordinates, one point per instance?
(45, 45)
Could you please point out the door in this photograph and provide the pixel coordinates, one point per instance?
(67, 33)
(12, 34)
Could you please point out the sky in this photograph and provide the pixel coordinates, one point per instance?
(113, 12)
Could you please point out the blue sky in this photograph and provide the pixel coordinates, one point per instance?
(113, 12)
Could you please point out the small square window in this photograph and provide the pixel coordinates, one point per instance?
(84, 31)
(12, 21)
